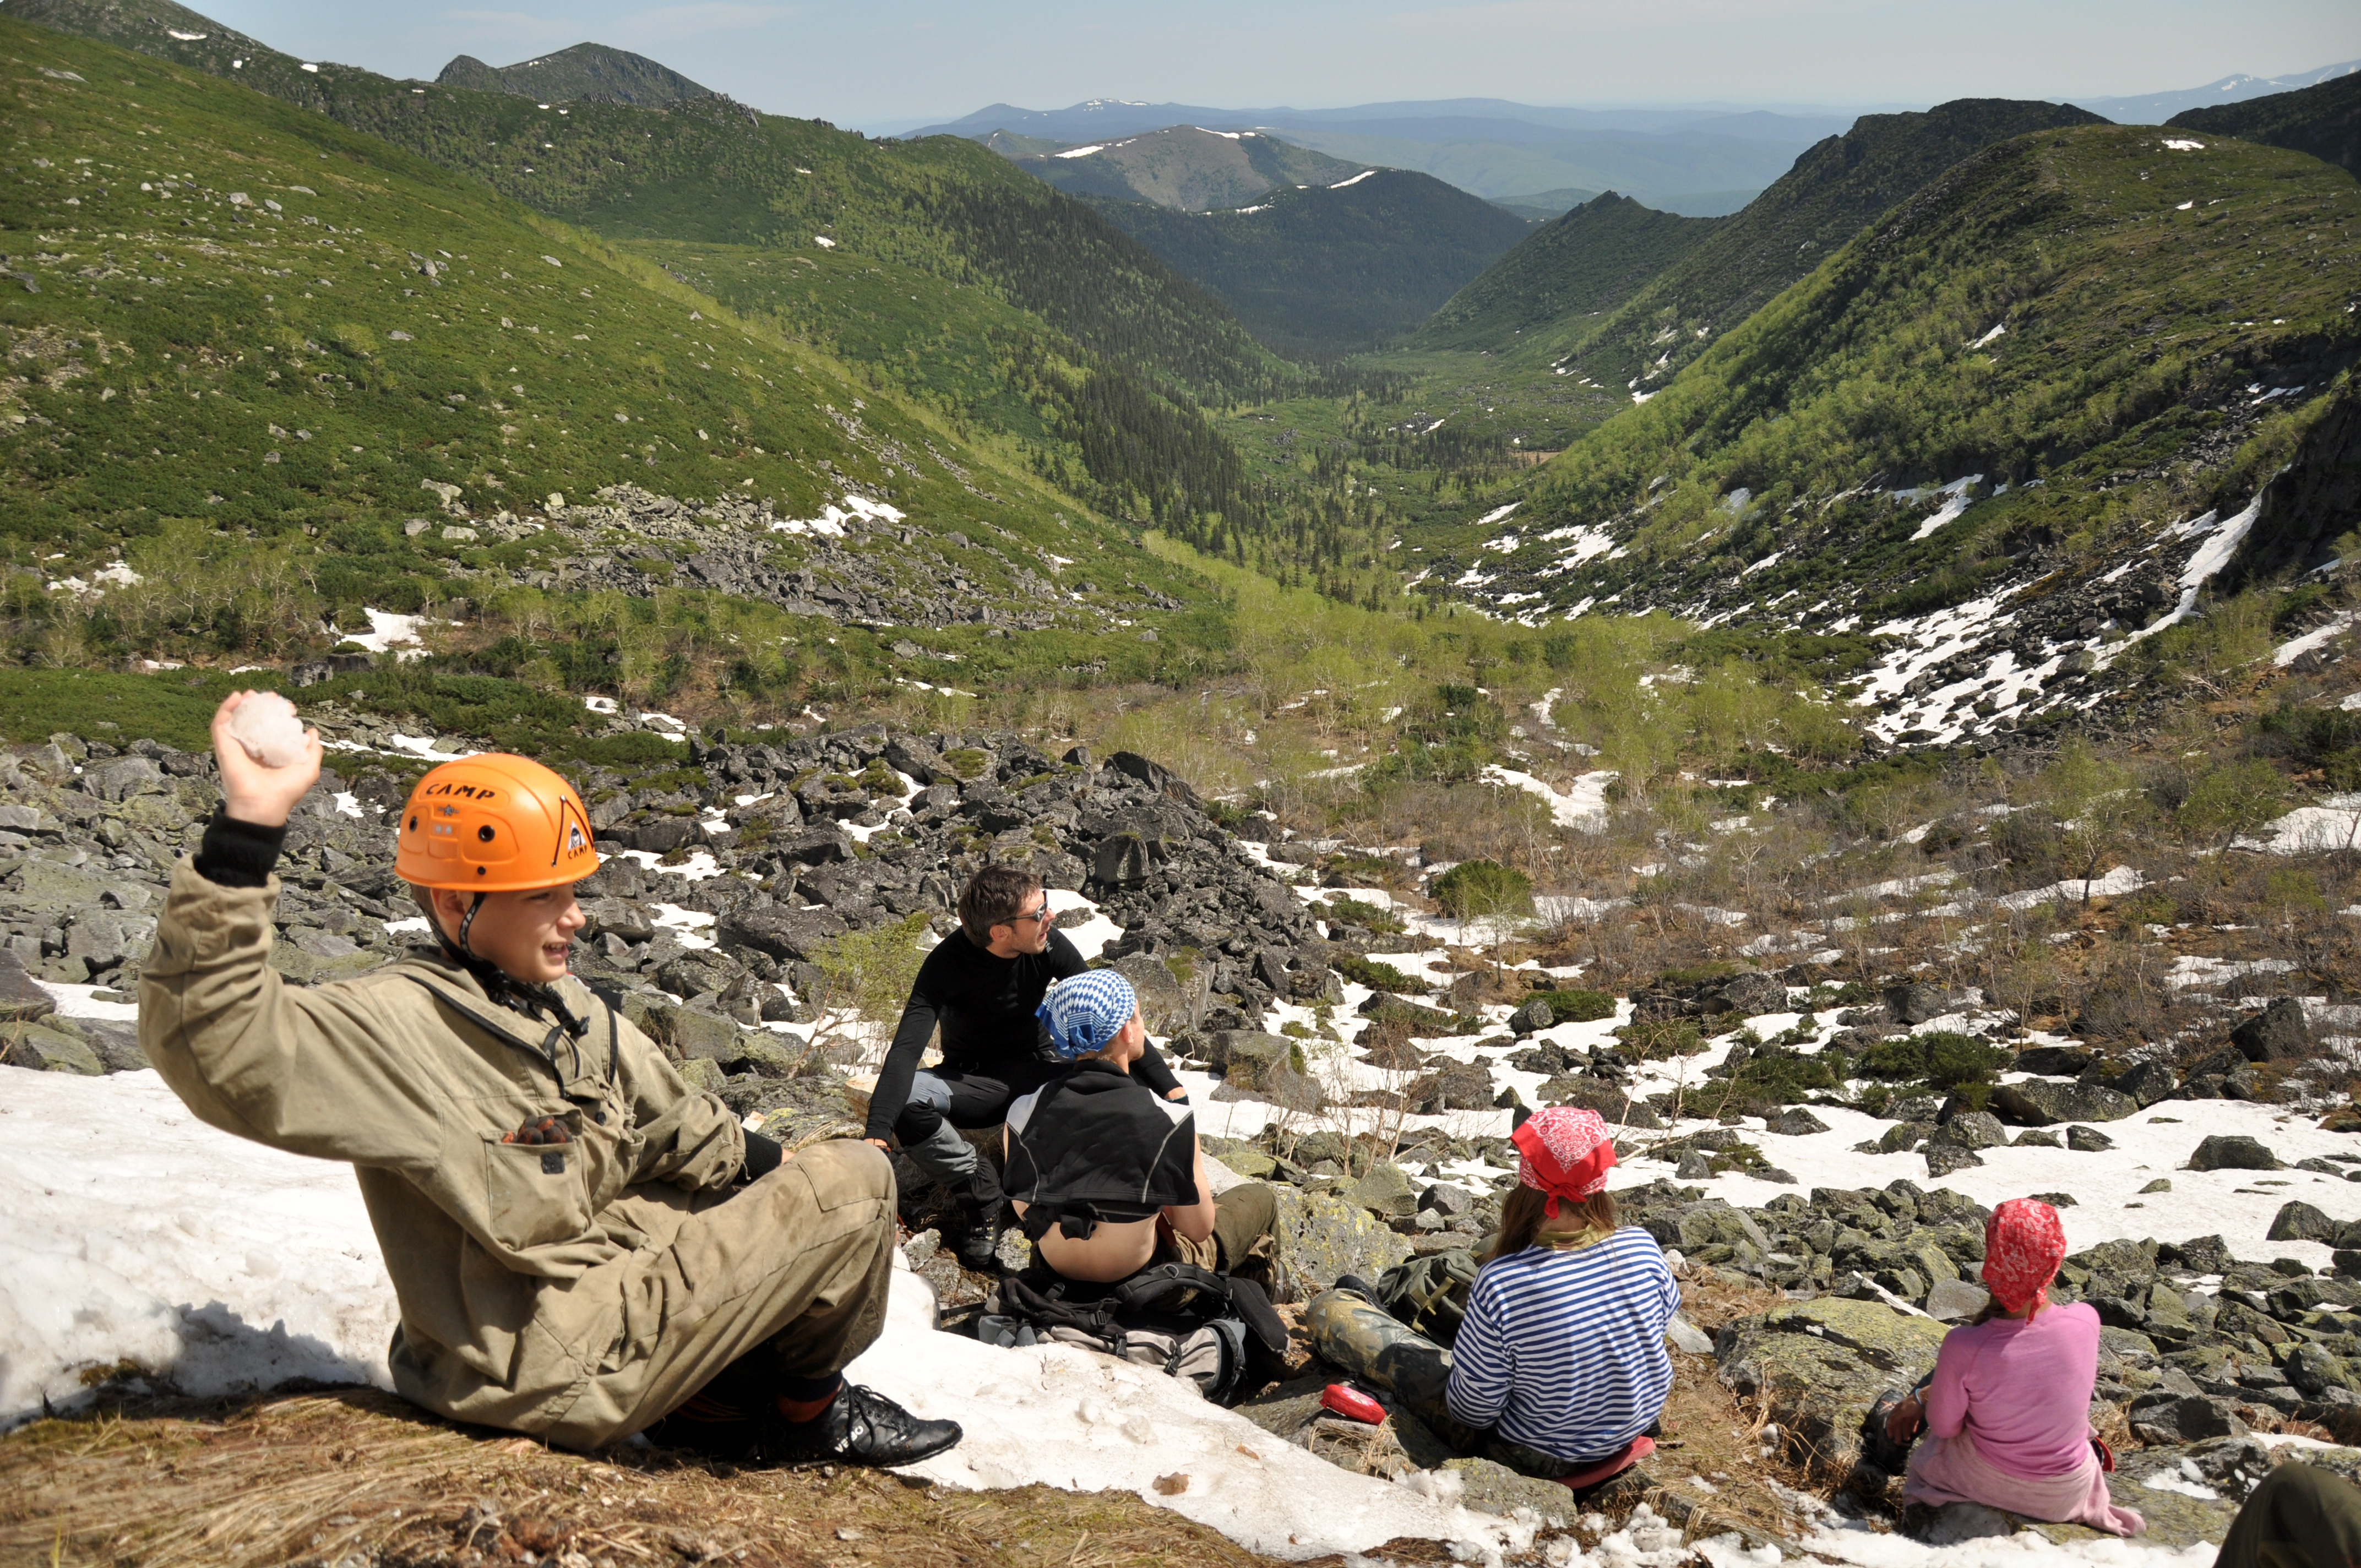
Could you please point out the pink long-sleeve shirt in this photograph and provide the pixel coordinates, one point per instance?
(2022, 1390)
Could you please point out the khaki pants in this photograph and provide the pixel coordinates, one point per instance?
(788, 1274)
(2300, 1517)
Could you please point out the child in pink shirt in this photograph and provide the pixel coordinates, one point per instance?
(2008, 1409)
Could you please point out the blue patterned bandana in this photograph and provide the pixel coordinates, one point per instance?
(1083, 1013)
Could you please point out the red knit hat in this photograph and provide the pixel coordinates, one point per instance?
(1567, 1152)
(2024, 1244)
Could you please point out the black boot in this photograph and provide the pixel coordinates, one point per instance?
(974, 1232)
(973, 1228)
(860, 1427)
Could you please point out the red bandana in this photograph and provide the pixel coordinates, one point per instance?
(2024, 1245)
(1568, 1153)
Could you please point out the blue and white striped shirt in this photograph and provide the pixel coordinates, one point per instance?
(1564, 1351)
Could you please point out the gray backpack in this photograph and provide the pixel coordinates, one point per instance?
(1430, 1293)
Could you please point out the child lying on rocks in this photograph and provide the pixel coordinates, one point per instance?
(2007, 1409)
(1560, 1364)
(1112, 1187)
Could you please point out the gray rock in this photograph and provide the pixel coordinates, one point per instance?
(1686, 1337)
(1972, 1130)
(1916, 1003)
(1323, 1236)
(2088, 1140)
(2232, 1152)
(1166, 1004)
(123, 778)
(1795, 1122)
(1943, 1159)
(2278, 1033)
(787, 934)
(1385, 1191)
(2314, 1370)
(1752, 993)
(1451, 1202)
(2036, 1138)
(1955, 1301)
(2035, 1104)
(1532, 1017)
(2300, 1221)
(1815, 1366)
(52, 1050)
(1590, 1092)
(2168, 1417)
(20, 997)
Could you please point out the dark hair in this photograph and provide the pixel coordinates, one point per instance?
(1524, 1209)
(995, 896)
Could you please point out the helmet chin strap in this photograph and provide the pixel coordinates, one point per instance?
(498, 983)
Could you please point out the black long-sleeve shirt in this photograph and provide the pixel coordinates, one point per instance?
(985, 1006)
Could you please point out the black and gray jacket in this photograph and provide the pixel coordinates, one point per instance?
(1097, 1145)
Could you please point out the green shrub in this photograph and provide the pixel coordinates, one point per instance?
(1578, 1006)
(1353, 912)
(1661, 1037)
(872, 971)
(1374, 975)
(1942, 1058)
(1474, 889)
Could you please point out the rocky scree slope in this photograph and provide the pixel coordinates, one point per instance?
(2019, 427)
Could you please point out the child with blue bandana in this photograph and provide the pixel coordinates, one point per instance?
(1107, 1175)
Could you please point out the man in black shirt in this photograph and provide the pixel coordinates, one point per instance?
(983, 984)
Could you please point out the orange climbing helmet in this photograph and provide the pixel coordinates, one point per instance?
(494, 822)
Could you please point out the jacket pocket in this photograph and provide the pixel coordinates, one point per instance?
(534, 1194)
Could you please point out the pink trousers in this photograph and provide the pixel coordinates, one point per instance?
(1949, 1470)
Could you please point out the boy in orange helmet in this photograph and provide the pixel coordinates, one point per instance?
(581, 1245)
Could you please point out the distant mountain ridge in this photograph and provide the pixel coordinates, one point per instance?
(586, 72)
(1331, 270)
(2324, 121)
(2158, 108)
(1185, 166)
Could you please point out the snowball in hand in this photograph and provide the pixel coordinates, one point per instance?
(266, 725)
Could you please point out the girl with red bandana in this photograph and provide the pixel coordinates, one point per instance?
(2008, 1411)
(1559, 1369)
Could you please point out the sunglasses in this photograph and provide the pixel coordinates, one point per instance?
(1040, 915)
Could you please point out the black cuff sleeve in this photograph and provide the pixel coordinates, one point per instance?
(762, 1157)
(1153, 1071)
(238, 855)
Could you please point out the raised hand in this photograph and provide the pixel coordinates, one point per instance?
(251, 792)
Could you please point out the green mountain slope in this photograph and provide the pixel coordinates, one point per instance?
(714, 172)
(1980, 426)
(1813, 209)
(1543, 205)
(265, 374)
(2324, 121)
(1182, 167)
(1558, 278)
(588, 71)
(1324, 272)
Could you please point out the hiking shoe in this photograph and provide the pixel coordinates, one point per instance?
(1357, 1285)
(974, 1237)
(861, 1427)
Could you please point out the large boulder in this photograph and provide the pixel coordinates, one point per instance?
(21, 997)
(2037, 1104)
(1816, 1367)
(2278, 1033)
(2300, 1221)
(1325, 1236)
(1385, 1191)
(793, 936)
(52, 1050)
(1167, 1005)
(1752, 993)
(2226, 1151)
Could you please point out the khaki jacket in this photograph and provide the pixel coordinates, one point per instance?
(412, 1075)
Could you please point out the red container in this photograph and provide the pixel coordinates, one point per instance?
(1351, 1403)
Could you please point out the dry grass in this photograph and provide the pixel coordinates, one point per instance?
(358, 1476)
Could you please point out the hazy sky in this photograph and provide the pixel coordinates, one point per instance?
(889, 63)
